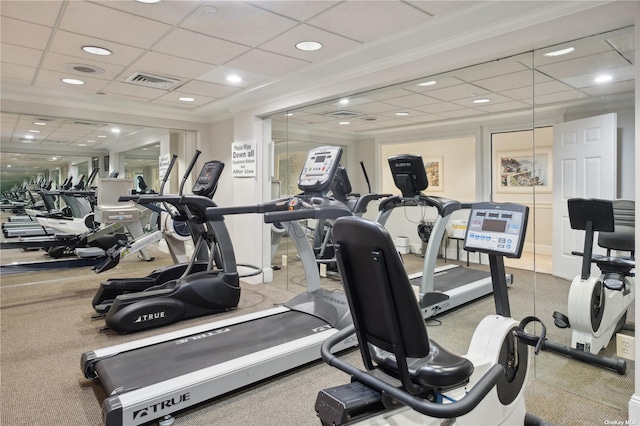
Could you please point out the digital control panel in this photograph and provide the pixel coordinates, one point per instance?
(319, 169)
(497, 228)
(208, 179)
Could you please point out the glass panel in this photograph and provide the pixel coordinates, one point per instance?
(593, 79)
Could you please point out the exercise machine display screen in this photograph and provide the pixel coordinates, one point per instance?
(208, 179)
(497, 228)
(319, 169)
(409, 174)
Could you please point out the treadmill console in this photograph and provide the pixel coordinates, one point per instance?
(319, 169)
(409, 174)
(497, 228)
(207, 180)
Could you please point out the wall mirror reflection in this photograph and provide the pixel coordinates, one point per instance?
(492, 132)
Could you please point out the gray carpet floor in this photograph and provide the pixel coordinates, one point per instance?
(46, 325)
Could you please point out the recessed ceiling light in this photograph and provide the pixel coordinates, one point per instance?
(427, 83)
(54, 158)
(28, 137)
(115, 130)
(25, 141)
(308, 46)
(604, 78)
(481, 101)
(34, 131)
(90, 140)
(84, 68)
(343, 101)
(102, 136)
(288, 114)
(234, 79)
(82, 144)
(72, 81)
(401, 114)
(8, 165)
(149, 1)
(39, 123)
(95, 50)
(560, 52)
(186, 99)
(344, 123)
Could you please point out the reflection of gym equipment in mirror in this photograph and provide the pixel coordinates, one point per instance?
(443, 288)
(598, 305)
(410, 379)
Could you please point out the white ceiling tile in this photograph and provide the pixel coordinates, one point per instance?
(259, 61)
(460, 91)
(166, 65)
(492, 70)
(170, 12)
(459, 113)
(212, 90)
(440, 83)
(48, 78)
(133, 90)
(610, 88)
(57, 62)
(583, 48)
(173, 99)
(18, 73)
(504, 106)
(219, 75)
(239, 22)
(439, 107)
(71, 44)
(569, 95)
(298, 10)
(588, 80)
(19, 55)
(199, 47)
(105, 23)
(493, 97)
(24, 34)
(511, 81)
(584, 65)
(436, 8)
(332, 45)
(375, 107)
(43, 12)
(366, 21)
(382, 95)
(411, 101)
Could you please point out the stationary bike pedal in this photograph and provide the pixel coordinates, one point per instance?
(530, 339)
(561, 320)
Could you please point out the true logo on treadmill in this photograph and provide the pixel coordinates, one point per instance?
(167, 403)
(202, 336)
(150, 317)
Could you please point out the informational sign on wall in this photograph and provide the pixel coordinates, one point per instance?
(243, 159)
(163, 165)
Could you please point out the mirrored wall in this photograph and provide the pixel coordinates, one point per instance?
(492, 132)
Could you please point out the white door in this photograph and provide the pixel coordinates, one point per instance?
(584, 166)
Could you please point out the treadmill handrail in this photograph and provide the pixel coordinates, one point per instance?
(445, 206)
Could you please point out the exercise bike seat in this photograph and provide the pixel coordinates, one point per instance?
(440, 369)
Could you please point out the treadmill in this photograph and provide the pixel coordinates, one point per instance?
(447, 287)
(153, 378)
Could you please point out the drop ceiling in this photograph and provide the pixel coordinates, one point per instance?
(197, 44)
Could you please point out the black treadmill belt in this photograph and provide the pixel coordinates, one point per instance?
(454, 277)
(166, 360)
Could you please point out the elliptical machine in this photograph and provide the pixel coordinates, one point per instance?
(193, 294)
(410, 379)
(598, 305)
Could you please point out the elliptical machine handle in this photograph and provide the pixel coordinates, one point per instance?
(174, 157)
(188, 172)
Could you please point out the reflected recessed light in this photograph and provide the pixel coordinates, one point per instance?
(308, 46)
(34, 131)
(288, 114)
(25, 141)
(8, 165)
(186, 99)
(102, 136)
(39, 123)
(427, 83)
(72, 81)
(95, 50)
(603, 78)
(115, 130)
(91, 141)
(343, 101)
(344, 123)
(481, 101)
(82, 144)
(234, 79)
(401, 114)
(560, 52)
(149, 1)
(28, 137)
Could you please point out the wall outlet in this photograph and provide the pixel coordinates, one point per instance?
(284, 260)
(323, 270)
(625, 346)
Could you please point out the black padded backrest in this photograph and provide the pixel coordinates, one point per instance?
(623, 236)
(380, 296)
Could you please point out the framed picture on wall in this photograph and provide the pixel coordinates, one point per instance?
(522, 171)
(433, 167)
